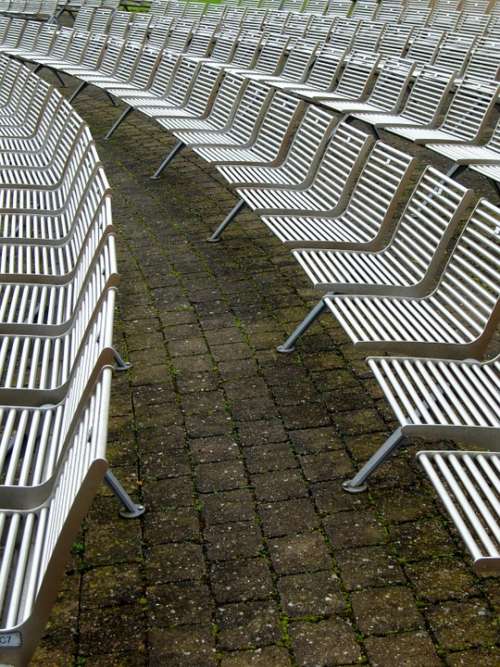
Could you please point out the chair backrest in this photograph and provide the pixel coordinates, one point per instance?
(119, 24)
(178, 39)
(364, 10)
(394, 40)
(454, 52)
(320, 27)
(160, 31)
(431, 217)
(392, 82)
(280, 114)
(61, 43)
(368, 35)
(139, 27)
(247, 50)
(204, 88)
(163, 76)
(83, 18)
(225, 46)
(343, 33)
(253, 20)
(45, 39)
(94, 51)
(473, 24)
(14, 32)
(326, 68)
(129, 57)
(111, 58)
(30, 35)
(428, 95)
(470, 108)
(201, 43)
(299, 61)
(389, 13)
(475, 6)
(255, 98)
(158, 9)
(145, 67)
(297, 25)
(425, 45)
(375, 196)
(358, 74)
(100, 20)
(417, 16)
(340, 165)
(442, 19)
(469, 287)
(483, 63)
(494, 141)
(227, 99)
(181, 81)
(339, 8)
(272, 55)
(317, 7)
(194, 10)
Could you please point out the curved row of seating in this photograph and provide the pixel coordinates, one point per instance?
(58, 280)
(333, 194)
(33, 8)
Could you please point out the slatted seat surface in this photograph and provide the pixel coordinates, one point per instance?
(483, 62)
(442, 399)
(468, 154)
(306, 147)
(468, 484)
(383, 178)
(243, 125)
(36, 543)
(456, 319)
(49, 309)
(330, 184)
(412, 257)
(490, 171)
(466, 117)
(281, 113)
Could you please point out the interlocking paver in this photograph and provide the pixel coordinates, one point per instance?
(249, 554)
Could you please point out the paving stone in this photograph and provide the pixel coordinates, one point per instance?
(182, 603)
(174, 562)
(223, 476)
(459, 625)
(247, 625)
(368, 566)
(441, 580)
(233, 540)
(330, 642)
(288, 517)
(298, 553)
(265, 657)
(241, 580)
(279, 485)
(474, 657)
(383, 610)
(311, 594)
(354, 529)
(182, 647)
(125, 630)
(172, 524)
(411, 649)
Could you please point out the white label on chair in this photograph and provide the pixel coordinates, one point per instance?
(10, 640)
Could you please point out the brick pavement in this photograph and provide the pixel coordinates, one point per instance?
(249, 554)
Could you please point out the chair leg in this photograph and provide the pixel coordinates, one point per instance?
(75, 94)
(59, 78)
(215, 238)
(132, 510)
(111, 98)
(168, 159)
(456, 170)
(289, 345)
(117, 123)
(358, 483)
(121, 364)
